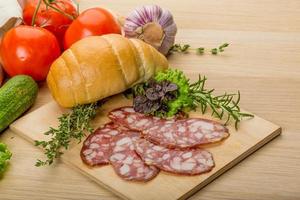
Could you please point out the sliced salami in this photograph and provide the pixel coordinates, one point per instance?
(186, 133)
(126, 162)
(126, 116)
(97, 146)
(185, 162)
(171, 133)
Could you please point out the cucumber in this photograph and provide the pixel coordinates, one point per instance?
(16, 96)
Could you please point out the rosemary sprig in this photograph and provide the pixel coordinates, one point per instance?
(71, 126)
(225, 105)
(189, 96)
(186, 48)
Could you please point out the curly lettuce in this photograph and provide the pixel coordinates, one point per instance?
(5, 155)
(184, 100)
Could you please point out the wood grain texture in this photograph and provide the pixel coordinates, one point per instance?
(251, 135)
(262, 62)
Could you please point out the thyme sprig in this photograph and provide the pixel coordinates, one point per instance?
(225, 105)
(220, 49)
(181, 48)
(186, 48)
(72, 125)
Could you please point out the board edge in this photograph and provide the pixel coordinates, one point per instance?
(230, 165)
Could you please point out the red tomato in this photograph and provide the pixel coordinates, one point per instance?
(28, 50)
(1, 76)
(50, 19)
(94, 21)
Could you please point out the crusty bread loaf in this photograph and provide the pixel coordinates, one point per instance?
(100, 66)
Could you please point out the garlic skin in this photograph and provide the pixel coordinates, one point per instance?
(153, 25)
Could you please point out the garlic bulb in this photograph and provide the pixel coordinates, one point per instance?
(153, 25)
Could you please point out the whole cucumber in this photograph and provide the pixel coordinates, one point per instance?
(16, 96)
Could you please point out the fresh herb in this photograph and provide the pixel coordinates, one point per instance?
(128, 93)
(189, 97)
(71, 126)
(214, 51)
(186, 48)
(5, 155)
(222, 106)
(183, 99)
(200, 50)
(181, 48)
(221, 48)
(151, 97)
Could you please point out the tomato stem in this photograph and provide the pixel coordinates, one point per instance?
(35, 12)
(77, 6)
(47, 3)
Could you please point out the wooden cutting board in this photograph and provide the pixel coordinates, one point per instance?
(251, 135)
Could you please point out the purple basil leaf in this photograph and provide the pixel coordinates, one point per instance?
(171, 87)
(151, 94)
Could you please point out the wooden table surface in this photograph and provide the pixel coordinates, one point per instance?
(263, 62)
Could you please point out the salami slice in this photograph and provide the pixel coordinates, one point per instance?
(126, 162)
(185, 162)
(171, 133)
(126, 116)
(97, 146)
(186, 133)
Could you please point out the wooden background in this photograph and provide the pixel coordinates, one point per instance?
(263, 62)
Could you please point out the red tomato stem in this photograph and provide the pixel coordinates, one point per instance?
(47, 3)
(77, 6)
(35, 12)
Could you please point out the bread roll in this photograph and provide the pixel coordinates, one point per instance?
(100, 66)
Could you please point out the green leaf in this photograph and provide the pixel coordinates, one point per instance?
(185, 48)
(72, 126)
(192, 95)
(200, 50)
(225, 105)
(223, 46)
(5, 155)
(214, 51)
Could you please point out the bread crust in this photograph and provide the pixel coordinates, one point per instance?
(100, 66)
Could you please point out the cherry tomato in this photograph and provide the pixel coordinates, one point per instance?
(93, 21)
(50, 19)
(28, 50)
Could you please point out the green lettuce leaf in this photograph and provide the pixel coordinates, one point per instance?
(184, 99)
(5, 155)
